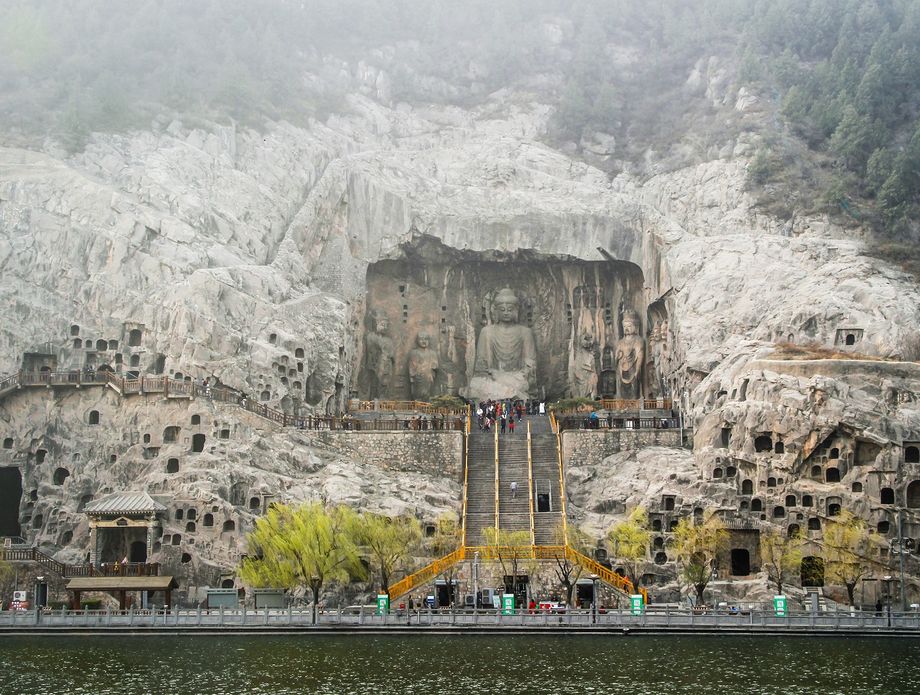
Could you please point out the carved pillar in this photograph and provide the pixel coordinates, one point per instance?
(93, 544)
(151, 535)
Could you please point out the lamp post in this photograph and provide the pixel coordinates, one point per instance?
(904, 547)
(475, 582)
(594, 579)
(887, 580)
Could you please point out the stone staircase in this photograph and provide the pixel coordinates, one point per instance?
(480, 496)
(546, 481)
(514, 510)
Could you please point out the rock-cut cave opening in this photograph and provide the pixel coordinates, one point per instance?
(10, 498)
(434, 322)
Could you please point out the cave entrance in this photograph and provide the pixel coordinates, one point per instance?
(426, 314)
(138, 551)
(10, 498)
(741, 562)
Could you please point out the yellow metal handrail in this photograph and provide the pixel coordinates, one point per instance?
(555, 425)
(604, 574)
(466, 480)
(428, 572)
(533, 531)
(497, 480)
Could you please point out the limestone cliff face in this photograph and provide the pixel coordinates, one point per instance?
(242, 256)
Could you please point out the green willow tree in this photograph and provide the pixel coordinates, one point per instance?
(388, 542)
(848, 547)
(308, 546)
(568, 572)
(697, 544)
(629, 541)
(780, 556)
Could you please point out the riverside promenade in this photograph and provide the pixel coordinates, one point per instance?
(522, 622)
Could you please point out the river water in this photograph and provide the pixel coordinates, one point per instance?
(459, 664)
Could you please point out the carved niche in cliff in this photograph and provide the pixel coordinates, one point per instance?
(482, 311)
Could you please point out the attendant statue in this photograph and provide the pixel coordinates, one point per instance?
(630, 357)
(379, 357)
(423, 368)
(583, 372)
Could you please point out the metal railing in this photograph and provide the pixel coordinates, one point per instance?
(605, 618)
(413, 406)
(533, 530)
(582, 422)
(620, 404)
(454, 419)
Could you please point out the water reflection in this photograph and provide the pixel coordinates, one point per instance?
(461, 664)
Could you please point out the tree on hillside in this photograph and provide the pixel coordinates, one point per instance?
(629, 541)
(447, 538)
(696, 544)
(848, 548)
(567, 571)
(308, 546)
(388, 542)
(780, 556)
(512, 549)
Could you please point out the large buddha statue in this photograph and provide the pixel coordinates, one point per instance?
(423, 366)
(379, 357)
(505, 353)
(630, 357)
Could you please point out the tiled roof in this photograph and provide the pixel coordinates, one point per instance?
(125, 503)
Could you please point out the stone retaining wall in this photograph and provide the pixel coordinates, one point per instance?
(433, 453)
(591, 447)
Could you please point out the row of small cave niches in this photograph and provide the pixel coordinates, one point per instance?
(193, 524)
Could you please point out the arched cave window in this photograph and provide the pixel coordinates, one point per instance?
(190, 527)
(265, 395)
(793, 530)
(886, 495)
(856, 487)
(77, 343)
(913, 494)
(790, 500)
(771, 482)
(834, 454)
(912, 454)
(196, 419)
(8, 443)
(135, 360)
(807, 501)
(833, 509)
(40, 456)
(198, 443)
(744, 506)
(207, 519)
(661, 558)
(731, 472)
(883, 527)
(756, 505)
(779, 512)
(101, 345)
(668, 504)
(172, 466)
(851, 339)
(717, 473)
(832, 475)
(672, 526)
(179, 514)
(177, 538)
(224, 434)
(60, 475)
(298, 353)
(272, 338)
(747, 487)
(113, 345)
(134, 338)
(75, 330)
(186, 558)
(170, 434)
(814, 524)
(255, 503)
(779, 448)
(763, 443)
(226, 584)
(656, 524)
(146, 438)
(94, 417)
(191, 513)
(229, 525)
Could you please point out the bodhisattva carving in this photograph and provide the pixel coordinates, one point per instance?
(423, 367)
(630, 357)
(379, 357)
(584, 370)
(507, 347)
